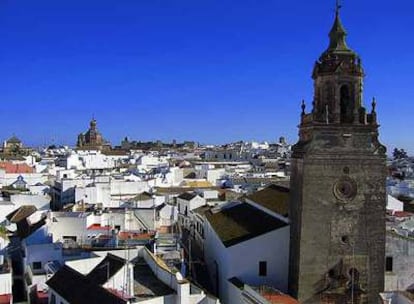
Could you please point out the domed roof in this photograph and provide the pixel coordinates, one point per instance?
(14, 140)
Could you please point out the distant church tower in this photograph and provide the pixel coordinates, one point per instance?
(337, 186)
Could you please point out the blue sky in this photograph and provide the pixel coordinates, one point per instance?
(211, 71)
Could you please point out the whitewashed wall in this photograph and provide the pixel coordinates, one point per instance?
(242, 260)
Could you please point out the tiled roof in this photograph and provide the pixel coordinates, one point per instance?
(402, 214)
(280, 299)
(202, 210)
(275, 296)
(99, 227)
(274, 198)
(242, 222)
(179, 190)
(11, 168)
(5, 298)
(76, 288)
(115, 152)
(21, 213)
(106, 269)
(198, 184)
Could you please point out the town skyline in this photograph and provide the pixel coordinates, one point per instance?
(119, 65)
(191, 152)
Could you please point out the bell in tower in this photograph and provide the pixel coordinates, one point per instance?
(338, 77)
(337, 203)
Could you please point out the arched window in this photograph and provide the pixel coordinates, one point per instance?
(347, 105)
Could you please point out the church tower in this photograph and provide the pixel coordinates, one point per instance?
(338, 197)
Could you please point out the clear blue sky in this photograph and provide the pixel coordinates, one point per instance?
(208, 70)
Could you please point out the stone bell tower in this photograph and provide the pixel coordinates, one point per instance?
(338, 198)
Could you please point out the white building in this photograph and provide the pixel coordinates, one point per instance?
(114, 280)
(7, 179)
(394, 204)
(211, 174)
(186, 202)
(245, 242)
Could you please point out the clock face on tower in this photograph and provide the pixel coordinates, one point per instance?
(345, 189)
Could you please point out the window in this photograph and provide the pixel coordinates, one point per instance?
(37, 265)
(388, 263)
(69, 237)
(262, 268)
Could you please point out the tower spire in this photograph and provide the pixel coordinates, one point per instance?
(337, 34)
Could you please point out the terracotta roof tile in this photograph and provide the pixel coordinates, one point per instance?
(11, 168)
(21, 213)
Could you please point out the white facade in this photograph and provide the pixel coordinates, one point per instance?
(175, 282)
(6, 179)
(85, 266)
(96, 193)
(209, 194)
(41, 202)
(6, 207)
(173, 178)
(185, 206)
(123, 280)
(242, 260)
(68, 225)
(182, 294)
(210, 174)
(168, 216)
(39, 189)
(64, 190)
(150, 161)
(6, 283)
(90, 160)
(65, 174)
(394, 204)
(129, 189)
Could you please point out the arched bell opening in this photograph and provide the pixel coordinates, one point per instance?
(347, 105)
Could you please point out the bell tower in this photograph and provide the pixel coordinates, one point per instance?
(338, 79)
(338, 198)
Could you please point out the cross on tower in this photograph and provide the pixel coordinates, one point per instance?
(338, 6)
